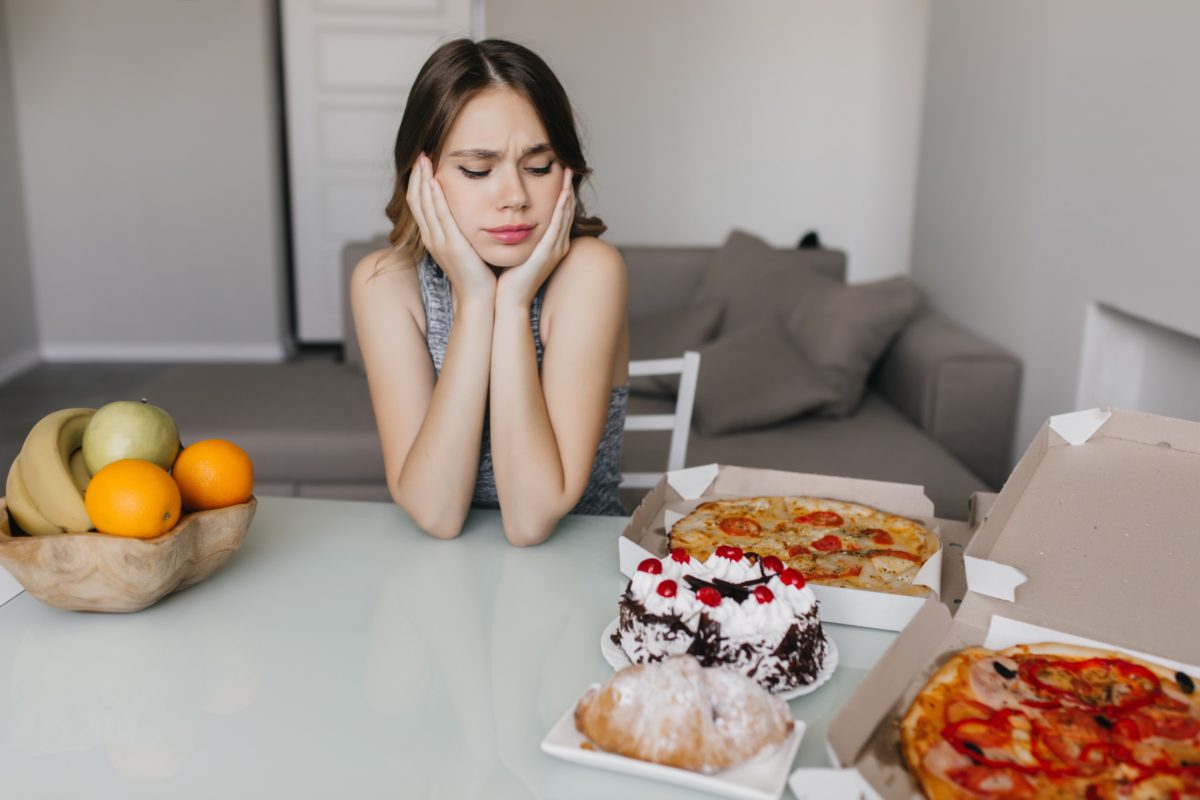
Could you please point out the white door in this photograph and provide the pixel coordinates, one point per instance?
(348, 66)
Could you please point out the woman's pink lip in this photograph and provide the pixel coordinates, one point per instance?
(511, 236)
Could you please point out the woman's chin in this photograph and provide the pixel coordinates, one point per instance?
(505, 256)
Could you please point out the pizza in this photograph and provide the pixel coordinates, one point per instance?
(830, 542)
(1054, 721)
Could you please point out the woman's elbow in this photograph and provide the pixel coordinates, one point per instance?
(528, 530)
(437, 522)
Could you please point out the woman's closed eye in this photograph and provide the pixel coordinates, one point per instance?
(471, 173)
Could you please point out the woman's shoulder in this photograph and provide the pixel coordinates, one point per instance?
(387, 278)
(590, 266)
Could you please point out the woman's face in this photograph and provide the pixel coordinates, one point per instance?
(498, 172)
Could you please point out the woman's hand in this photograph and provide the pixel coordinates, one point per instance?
(442, 238)
(518, 285)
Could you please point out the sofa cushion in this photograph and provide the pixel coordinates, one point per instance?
(668, 335)
(752, 278)
(877, 443)
(753, 377)
(844, 330)
(305, 421)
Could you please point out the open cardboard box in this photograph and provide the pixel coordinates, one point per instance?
(680, 491)
(1094, 535)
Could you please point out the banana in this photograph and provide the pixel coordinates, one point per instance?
(21, 506)
(45, 467)
(79, 471)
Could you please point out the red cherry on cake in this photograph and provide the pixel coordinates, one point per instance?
(651, 565)
(709, 596)
(667, 588)
(763, 595)
(730, 551)
(792, 577)
(772, 564)
(680, 555)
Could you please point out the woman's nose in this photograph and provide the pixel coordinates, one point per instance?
(512, 191)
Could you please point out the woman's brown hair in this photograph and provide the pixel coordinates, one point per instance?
(456, 72)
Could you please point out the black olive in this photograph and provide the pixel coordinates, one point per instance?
(1004, 671)
(974, 748)
(1103, 722)
(1185, 682)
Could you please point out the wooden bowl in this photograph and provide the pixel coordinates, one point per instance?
(99, 572)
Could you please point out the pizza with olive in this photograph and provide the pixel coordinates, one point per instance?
(831, 542)
(1054, 721)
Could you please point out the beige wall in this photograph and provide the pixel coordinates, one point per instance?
(18, 328)
(1060, 166)
(774, 115)
(152, 177)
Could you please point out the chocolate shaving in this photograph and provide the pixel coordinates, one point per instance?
(737, 591)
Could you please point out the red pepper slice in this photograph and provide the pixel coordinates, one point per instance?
(983, 781)
(740, 526)
(1091, 682)
(959, 710)
(827, 543)
(821, 519)
(1133, 727)
(973, 737)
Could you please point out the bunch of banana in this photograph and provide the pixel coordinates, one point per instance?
(48, 478)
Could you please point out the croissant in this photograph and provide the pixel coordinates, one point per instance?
(680, 714)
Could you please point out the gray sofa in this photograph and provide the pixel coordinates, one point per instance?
(939, 409)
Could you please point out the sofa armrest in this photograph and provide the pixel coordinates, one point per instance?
(959, 388)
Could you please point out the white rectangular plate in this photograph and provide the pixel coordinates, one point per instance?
(759, 779)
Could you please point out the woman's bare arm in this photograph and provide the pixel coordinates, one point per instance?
(546, 428)
(430, 427)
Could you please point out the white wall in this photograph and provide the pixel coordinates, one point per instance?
(18, 328)
(774, 115)
(151, 162)
(1060, 165)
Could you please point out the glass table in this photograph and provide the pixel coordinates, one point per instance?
(340, 653)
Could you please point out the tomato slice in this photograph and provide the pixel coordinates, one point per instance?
(827, 543)
(740, 526)
(879, 536)
(1173, 726)
(821, 519)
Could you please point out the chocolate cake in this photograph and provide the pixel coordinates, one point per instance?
(752, 616)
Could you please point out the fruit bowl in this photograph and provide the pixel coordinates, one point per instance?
(99, 572)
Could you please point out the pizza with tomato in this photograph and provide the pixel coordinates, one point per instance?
(829, 541)
(1054, 721)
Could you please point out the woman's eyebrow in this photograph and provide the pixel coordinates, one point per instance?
(477, 152)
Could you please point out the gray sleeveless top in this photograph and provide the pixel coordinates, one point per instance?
(600, 496)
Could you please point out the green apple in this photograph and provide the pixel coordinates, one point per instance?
(128, 429)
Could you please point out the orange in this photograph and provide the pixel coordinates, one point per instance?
(213, 473)
(133, 497)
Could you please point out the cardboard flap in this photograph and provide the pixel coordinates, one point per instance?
(879, 691)
(992, 578)
(1077, 521)
(1078, 426)
(692, 482)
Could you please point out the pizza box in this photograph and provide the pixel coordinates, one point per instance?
(1092, 541)
(680, 491)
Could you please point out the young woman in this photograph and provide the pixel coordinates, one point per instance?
(493, 329)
